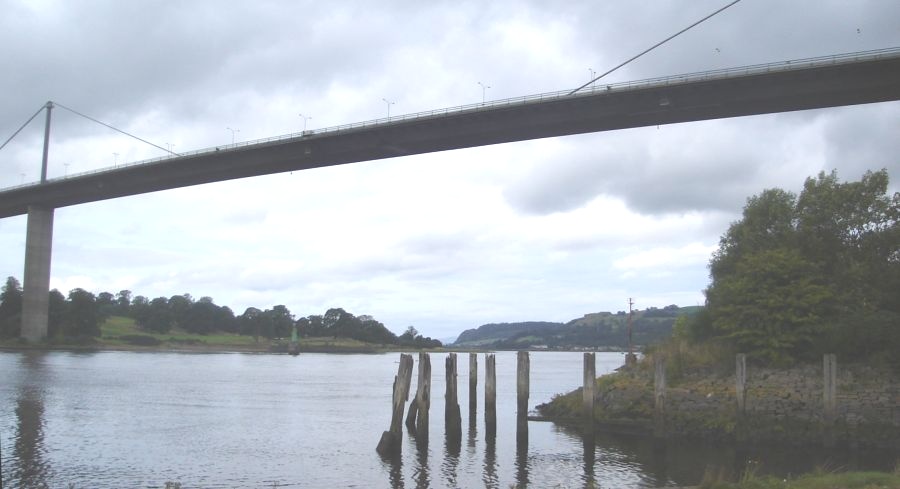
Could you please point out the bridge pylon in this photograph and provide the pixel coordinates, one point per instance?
(38, 251)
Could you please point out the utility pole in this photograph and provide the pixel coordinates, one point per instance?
(630, 357)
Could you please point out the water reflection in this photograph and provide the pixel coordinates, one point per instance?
(589, 457)
(421, 475)
(30, 467)
(394, 461)
(452, 448)
(490, 460)
(522, 455)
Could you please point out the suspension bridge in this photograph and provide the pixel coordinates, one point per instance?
(813, 83)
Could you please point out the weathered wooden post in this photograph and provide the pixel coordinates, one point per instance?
(523, 380)
(452, 419)
(423, 396)
(740, 391)
(590, 381)
(490, 393)
(473, 383)
(390, 440)
(523, 372)
(659, 391)
(829, 414)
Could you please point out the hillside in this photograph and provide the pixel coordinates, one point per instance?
(594, 330)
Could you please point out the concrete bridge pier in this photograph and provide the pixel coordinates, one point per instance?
(36, 293)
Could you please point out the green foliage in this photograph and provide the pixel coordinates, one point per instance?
(772, 306)
(10, 308)
(83, 316)
(816, 480)
(140, 340)
(683, 357)
(797, 276)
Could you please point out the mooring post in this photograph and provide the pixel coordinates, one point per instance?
(390, 440)
(829, 366)
(590, 379)
(523, 378)
(423, 396)
(523, 371)
(452, 419)
(490, 393)
(740, 391)
(473, 383)
(659, 391)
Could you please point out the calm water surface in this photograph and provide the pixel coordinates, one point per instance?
(125, 419)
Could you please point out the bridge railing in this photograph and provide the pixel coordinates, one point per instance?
(601, 89)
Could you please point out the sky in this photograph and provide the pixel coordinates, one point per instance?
(543, 230)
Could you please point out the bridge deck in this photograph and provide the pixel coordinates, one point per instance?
(796, 85)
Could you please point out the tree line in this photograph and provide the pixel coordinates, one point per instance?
(79, 315)
(801, 275)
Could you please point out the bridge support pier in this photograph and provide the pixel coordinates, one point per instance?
(36, 294)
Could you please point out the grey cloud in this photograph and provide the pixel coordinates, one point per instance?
(859, 139)
(713, 171)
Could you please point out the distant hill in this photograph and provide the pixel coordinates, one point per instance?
(594, 330)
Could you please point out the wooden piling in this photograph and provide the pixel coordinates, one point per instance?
(490, 393)
(473, 383)
(423, 396)
(390, 440)
(523, 371)
(590, 381)
(740, 390)
(452, 419)
(829, 394)
(523, 378)
(740, 381)
(659, 391)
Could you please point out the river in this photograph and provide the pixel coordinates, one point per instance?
(139, 420)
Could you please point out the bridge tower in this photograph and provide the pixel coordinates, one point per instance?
(38, 249)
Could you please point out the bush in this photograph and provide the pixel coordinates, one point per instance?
(140, 340)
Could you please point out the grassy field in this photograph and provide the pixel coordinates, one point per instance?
(115, 327)
(120, 332)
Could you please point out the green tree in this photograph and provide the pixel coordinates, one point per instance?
(10, 308)
(123, 300)
(250, 322)
(83, 315)
(797, 276)
(772, 306)
(154, 316)
(57, 310)
(201, 316)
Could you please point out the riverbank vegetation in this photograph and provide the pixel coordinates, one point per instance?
(85, 319)
(795, 278)
(800, 276)
(815, 480)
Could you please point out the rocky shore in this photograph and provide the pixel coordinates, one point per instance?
(781, 406)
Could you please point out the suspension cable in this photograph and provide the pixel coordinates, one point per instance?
(23, 125)
(651, 48)
(115, 129)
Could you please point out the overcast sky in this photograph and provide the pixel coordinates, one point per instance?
(540, 230)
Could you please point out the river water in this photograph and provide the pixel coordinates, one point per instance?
(138, 420)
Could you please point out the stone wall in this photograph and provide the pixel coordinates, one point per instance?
(785, 406)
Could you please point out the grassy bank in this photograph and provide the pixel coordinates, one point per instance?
(121, 333)
(784, 404)
(846, 480)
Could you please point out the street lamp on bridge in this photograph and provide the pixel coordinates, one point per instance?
(305, 118)
(483, 89)
(389, 104)
(232, 133)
